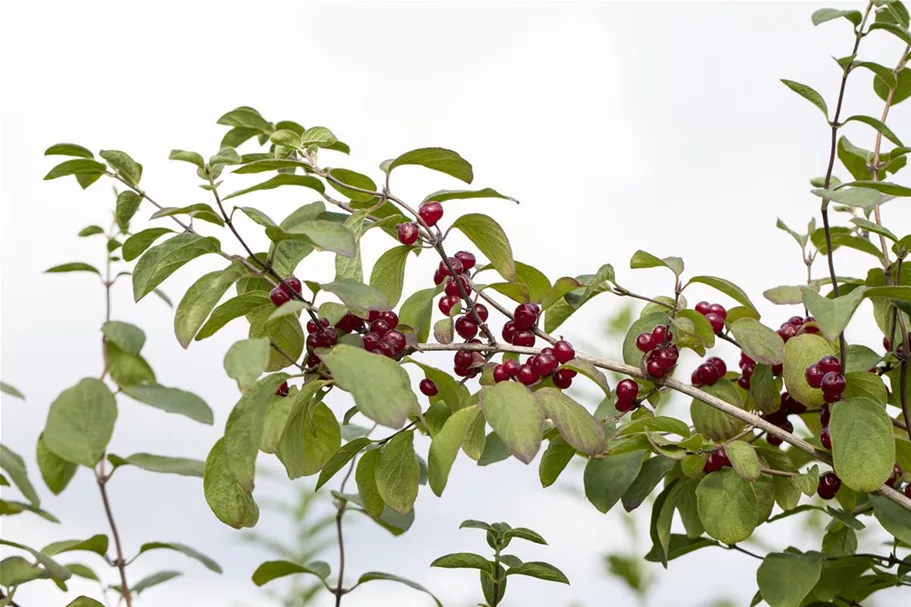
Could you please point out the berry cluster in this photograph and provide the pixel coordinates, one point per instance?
(463, 261)
(788, 406)
(714, 313)
(430, 212)
(662, 355)
(519, 330)
(382, 336)
(539, 366)
(716, 461)
(709, 372)
(826, 374)
(281, 294)
(796, 325)
(627, 391)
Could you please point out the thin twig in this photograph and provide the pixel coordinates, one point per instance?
(120, 562)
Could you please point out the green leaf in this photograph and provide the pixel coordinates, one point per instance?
(832, 315)
(191, 157)
(864, 198)
(540, 570)
(555, 459)
(879, 125)
(127, 369)
(651, 473)
(171, 400)
(590, 371)
(894, 518)
(125, 166)
(56, 570)
(5, 388)
(15, 571)
(712, 423)
(728, 507)
(680, 545)
(463, 560)
(445, 446)
(489, 237)
(128, 203)
(84, 601)
(134, 246)
(272, 570)
(56, 472)
(76, 167)
(161, 464)
(162, 260)
(785, 579)
(444, 195)
(874, 227)
(199, 211)
(642, 259)
(321, 234)
(662, 517)
(417, 312)
(246, 117)
(726, 287)
(743, 458)
(279, 180)
(272, 164)
(68, 149)
(285, 332)
(784, 295)
(765, 389)
(896, 30)
(125, 336)
(155, 579)
(523, 533)
(80, 422)
(286, 138)
(902, 90)
(380, 386)
(365, 477)
(13, 464)
(76, 266)
(340, 458)
(352, 267)
(200, 299)
(97, 544)
(357, 180)
(90, 231)
(319, 136)
(514, 414)
(397, 473)
(210, 564)
(438, 159)
(246, 360)
(799, 353)
(576, 425)
(863, 450)
(809, 94)
(827, 14)
(606, 480)
(760, 343)
(863, 384)
(371, 576)
(388, 275)
(311, 437)
(231, 309)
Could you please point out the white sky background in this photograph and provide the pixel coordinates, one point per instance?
(618, 126)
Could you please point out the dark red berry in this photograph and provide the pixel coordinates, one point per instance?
(439, 276)
(703, 307)
(828, 486)
(746, 360)
(456, 266)
(547, 350)
(814, 375)
(509, 332)
(330, 336)
(312, 341)
(645, 343)
(789, 405)
(527, 374)
(716, 321)
(773, 440)
(786, 331)
(391, 318)
(511, 366)
(500, 374)
(564, 351)
(294, 284)
(525, 316)
(826, 438)
(908, 490)
(463, 358)
(431, 212)
(796, 321)
(428, 388)
(623, 407)
(282, 390)
(721, 457)
(658, 333)
(719, 310)
(563, 378)
(380, 327)
(667, 357)
(467, 258)
(349, 323)
(279, 296)
(313, 360)
(896, 475)
(833, 383)
(825, 414)
(447, 303)
(408, 233)
(545, 364)
(777, 369)
(654, 369)
(385, 349)
(452, 287)
(373, 315)
(808, 328)
(464, 371)
(481, 309)
(466, 327)
(627, 391)
(695, 378)
(524, 338)
(744, 382)
(719, 365)
(887, 344)
(396, 339)
(371, 341)
(829, 364)
(705, 374)
(312, 326)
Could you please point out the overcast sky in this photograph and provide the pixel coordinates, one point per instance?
(618, 126)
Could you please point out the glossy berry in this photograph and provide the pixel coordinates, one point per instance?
(447, 303)
(667, 357)
(719, 310)
(329, 336)
(312, 342)
(464, 371)
(396, 339)
(564, 351)
(385, 349)
(439, 276)
(795, 320)
(786, 426)
(896, 475)
(814, 375)
(467, 258)
(705, 375)
(463, 358)
(746, 360)
(279, 296)
(563, 378)
(456, 266)
(371, 341)
(654, 369)
(524, 338)
(545, 364)
(481, 309)
(527, 375)
(645, 343)
(500, 374)
(452, 287)
(380, 327)
(428, 388)
(282, 390)
(808, 328)
(313, 360)
(525, 316)
(312, 327)
(703, 307)
(294, 283)
(828, 486)
(512, 367)
(509, 332)
(908, 490)
(720, 367)
(833, 383)
(349, 323)
(659, 332)
(627, 391)
(789, 405)
(744, 382)
(773, 440)
(829, 364)
(391, 318)
(407, 233)
(373, 315)
(716, 321)
(431, 212)
(825, 437)
(825, 414)
(787, 331)
(466, 327)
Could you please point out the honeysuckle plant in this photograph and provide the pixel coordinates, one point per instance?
(803, 421)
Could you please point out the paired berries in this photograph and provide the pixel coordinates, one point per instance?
(747, 367)
(408, 233)
(282, 294)
(828, 486)
(714, 313)
(539, 366)
(796, 325)
(709, 372)
(716, 461)
(826, 375)
(518, 330)
(383, 337)
(661, 354)
(627, 391)
(321, 335)
(431, 212)
(349, 323)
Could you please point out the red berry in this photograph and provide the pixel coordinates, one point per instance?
(447, 303)
(829, 364)
(814, 375)
(825, 414)
(773, 440)
(667, 357)
(705, 375)
(481, 309)
(282, 390)
(509, 332)
(645, 343)
(330, 336)
(463, 358)
(373, 315)
(313, 360)
(547, 350)
(786, 426)
(524, 338)
(500, 374)
(695, 378)
(786, 331)
(563, 378)
(908, 491)
(887, 344)
(826, 438)
(896, 475)
(564, 351)
(744, 382)
(703, 307)
(527, 375)
(722, 457)
(828, 486)
(294, 284)
(833, 383)
(525, 316)
(789, 405)
(745, 360)
(391, 318)
(467, 258)
(627, 391)
(349, 323)
(452, 287)
(808, 328)
(439, 276)
(716, 321)
(719, 310)
(312, 327)
(312, 342)
(654, 369)
(544, 364)
(380, 327)
(371, 341)
(777, 369)
(464, 371)
(396, 339)
(428, 388)
(720, 367)
(408, 233)
(658, 333)
(623, 407)
(456, 266)
(511, 367)
(431, 212)
(385, 349)
(279, 296)
(466, 327)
